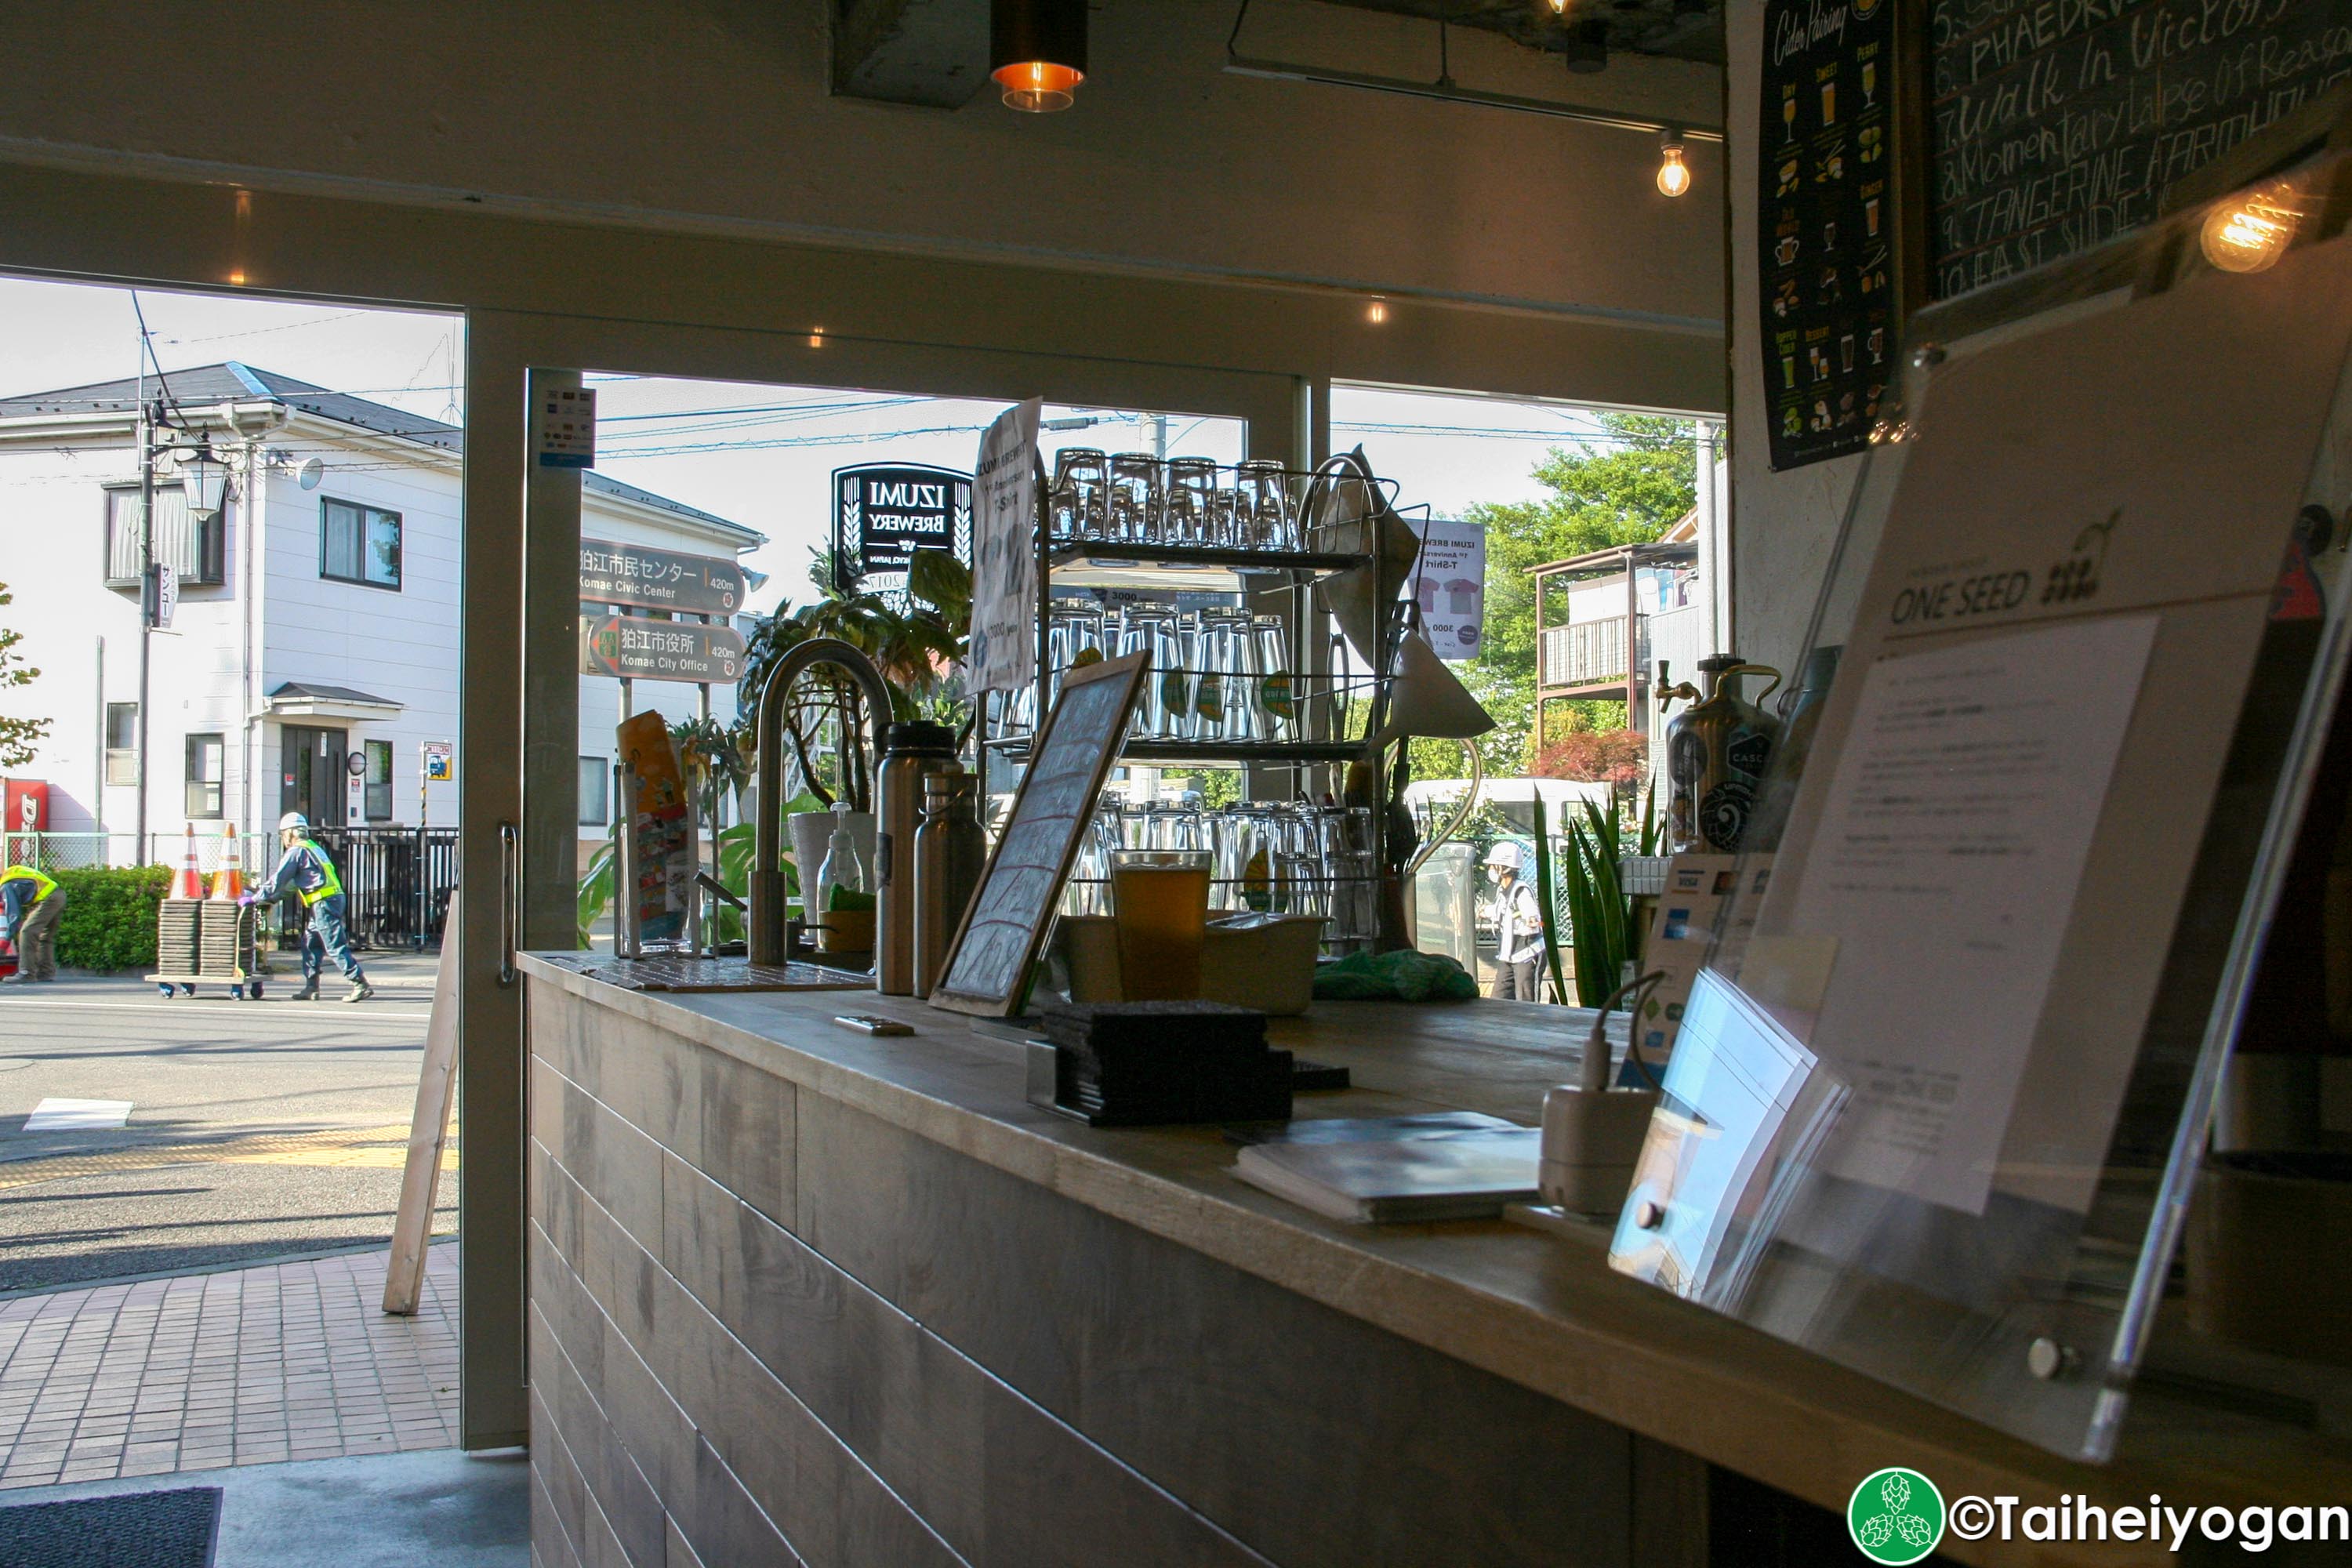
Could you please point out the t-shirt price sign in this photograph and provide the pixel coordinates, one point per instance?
(1005, 552)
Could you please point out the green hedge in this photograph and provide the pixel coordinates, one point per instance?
(110, 919)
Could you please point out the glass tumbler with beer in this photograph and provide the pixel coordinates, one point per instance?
(1159, 906)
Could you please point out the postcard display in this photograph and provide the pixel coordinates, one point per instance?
(1939, 1094)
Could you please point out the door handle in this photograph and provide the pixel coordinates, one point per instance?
(510, 898)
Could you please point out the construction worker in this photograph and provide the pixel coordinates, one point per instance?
(1518, 925)
(307, 872)
(30, 907)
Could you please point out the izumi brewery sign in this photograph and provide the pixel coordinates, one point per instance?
(658, 579)
(884, 512)
(643, 649)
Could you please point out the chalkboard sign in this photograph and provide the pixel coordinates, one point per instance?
(1826, 222)
(2055, 125)
(987, 970)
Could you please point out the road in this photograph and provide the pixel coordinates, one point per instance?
(255, 1129)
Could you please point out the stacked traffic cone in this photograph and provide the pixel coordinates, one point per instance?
(228, 882)
(190, 883)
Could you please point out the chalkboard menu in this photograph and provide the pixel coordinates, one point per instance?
(1826, 222)
(987, 968)
(2057, 124)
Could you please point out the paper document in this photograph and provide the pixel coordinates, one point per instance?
(1954, 836)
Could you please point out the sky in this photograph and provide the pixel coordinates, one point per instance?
(758, 454)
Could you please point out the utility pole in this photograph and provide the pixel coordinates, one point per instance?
(146, 431)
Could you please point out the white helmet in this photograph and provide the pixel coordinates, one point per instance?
(1506, 856)
(295, 820)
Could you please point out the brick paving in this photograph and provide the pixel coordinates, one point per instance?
(248, 1366)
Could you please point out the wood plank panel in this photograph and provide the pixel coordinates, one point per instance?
(827, 1505)
(613, 1161)
(613, 1478)
(650, 1077)
(999, 1478)
(703, 1497)
(1336, 1442)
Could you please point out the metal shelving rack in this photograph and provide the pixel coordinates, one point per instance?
(1066, 563)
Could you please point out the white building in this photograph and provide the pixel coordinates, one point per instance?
(314, 649)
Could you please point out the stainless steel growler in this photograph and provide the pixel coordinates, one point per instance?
(909, 751)
(1717, 751)
(950, 854)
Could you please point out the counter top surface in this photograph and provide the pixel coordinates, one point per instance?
(1542, 1309)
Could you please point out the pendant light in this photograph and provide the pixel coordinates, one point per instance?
(1037, 52)
(1674, 175)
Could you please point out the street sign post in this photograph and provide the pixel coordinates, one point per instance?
(633, 648)
(884, 512)
(658, 579)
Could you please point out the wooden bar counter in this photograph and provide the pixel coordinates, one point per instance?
(798, 1294)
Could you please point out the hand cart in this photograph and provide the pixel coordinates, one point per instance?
(209, 941)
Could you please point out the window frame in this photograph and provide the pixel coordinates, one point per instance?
(600, 770)
(370, 750)
(209, 533)
(365, 509)
(124, 757)
(191, 780)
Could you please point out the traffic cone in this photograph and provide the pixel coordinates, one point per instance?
(228, 882)
(190, 883)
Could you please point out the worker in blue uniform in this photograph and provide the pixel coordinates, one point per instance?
(309, 872)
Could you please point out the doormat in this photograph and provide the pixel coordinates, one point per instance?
(155, 1530)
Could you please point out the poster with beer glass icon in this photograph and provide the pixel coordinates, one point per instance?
(1824, 238)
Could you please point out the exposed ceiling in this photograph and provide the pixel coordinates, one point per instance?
(1634, 26)
(935, 52)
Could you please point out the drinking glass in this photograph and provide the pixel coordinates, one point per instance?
(1088, 893)
(1191, 501)
(1274, 696)
(1176, 674)
(1263, 501)
(1213, 661)
(1150, 631)
(1134, 499)
(1073, 628)
(1160, 902)
(1224, 521)
(1080, 483)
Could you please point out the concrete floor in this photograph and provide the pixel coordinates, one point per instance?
(442, 1509)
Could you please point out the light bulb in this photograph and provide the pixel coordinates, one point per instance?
(1377, 311)
(2251, 231)
(1674, 175)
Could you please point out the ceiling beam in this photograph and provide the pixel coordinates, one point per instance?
(932, 53)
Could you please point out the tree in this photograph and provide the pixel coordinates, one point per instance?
(1628, 484)
(19, 738)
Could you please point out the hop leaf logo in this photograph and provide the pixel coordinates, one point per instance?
(1896, 1516)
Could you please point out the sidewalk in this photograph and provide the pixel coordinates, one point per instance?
(282, 1361)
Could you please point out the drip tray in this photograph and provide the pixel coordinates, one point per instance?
(674, 974)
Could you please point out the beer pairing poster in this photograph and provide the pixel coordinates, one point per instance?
(1825, 222)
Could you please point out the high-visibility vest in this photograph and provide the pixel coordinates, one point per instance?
(331, 886)
(42, 886)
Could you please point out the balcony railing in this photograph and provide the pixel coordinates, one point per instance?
(1587, 653)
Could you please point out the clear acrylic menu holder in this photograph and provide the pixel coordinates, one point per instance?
(2029, 1308)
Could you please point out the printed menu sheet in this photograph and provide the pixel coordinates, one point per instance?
(1957, 822)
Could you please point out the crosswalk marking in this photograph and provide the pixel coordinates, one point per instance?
(55, 1115)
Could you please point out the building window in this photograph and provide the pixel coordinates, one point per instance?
(205, 756)
(189, 546)
(379, 780)
(359, 545)
(123, 743)
(593, 775)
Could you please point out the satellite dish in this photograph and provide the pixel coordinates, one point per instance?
(312, 471)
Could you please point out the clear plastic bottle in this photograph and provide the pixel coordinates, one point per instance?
(841, 866)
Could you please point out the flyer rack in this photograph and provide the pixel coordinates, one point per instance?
(1940, 1097)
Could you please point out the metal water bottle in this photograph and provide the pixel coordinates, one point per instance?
(950, 854)
(909, 751)
(1717, 751)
